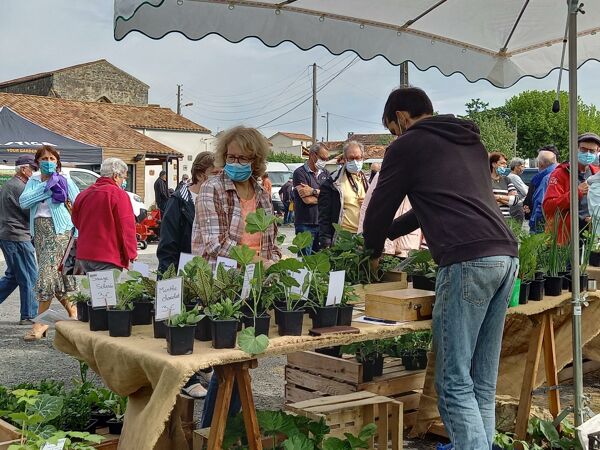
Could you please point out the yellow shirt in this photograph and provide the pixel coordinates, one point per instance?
(352, 202)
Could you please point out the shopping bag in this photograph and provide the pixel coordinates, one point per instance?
(69, 260)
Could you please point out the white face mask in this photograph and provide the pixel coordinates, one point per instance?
(354, 166)
(320, 164)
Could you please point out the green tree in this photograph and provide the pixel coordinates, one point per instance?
(537, 125)
(284, 158)
(495, 129)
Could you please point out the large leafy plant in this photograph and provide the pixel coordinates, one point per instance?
(348, 253)
(419, 262)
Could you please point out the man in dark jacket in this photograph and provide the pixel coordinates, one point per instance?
(161, 192)
(285, 194)
(441, 164)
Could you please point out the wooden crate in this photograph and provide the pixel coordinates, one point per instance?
(201, 440)
(110, 442)
(310, 375)
(8, 435)
(351, 412)
(400, 305)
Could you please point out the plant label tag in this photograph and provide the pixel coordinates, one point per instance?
(247, 277)
(336, 287)
(102, 288)
(300, 278)
(141, 267)
(60, 444)
(168, 298)
(227, 263)
(184, 258)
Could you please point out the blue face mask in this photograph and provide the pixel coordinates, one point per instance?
(124, 184)
(238, 172)
(47, 167)
(586, 158)
(502, 171)
(354, 166)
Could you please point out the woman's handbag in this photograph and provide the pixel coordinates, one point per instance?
(68, 263)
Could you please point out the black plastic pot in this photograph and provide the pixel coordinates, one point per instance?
(90, 427)
(82, 312)
(261, 326)
(279, 305)
(119, 323)
(524, 293)
(553, 286)
(102, 417)
(595, 259)
(98, 318)
(203, 330)
(180, 340)
(335, 351)
(539, 275)
(224, 333)
(239, 326)
(422, 282)
(415, 360)
(345, 315)
(325, 316)
(378, 366)
(290, 323)
(142, 313)
(115, 426)
(160, 328)
(566, 284)
(583, 283)
(536, 290)
(369, 369)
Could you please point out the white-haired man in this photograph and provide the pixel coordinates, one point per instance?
(104, 218)
(342, 195)
(15, 241)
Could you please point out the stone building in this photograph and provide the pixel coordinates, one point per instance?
(96, 81)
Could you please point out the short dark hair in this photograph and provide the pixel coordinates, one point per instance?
(410, 99)
(47, 148)
(162, 173)
(495, 157)
(550, 148)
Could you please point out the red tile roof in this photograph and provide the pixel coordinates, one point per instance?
(372, 139)
(295, 136)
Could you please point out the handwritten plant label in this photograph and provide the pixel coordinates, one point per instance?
(168, 298)
(60, 444)
(300, 278)
(247, 278)
(102, 288)
(227, 263)
(184, 258)
(336, 287)
(141, 267)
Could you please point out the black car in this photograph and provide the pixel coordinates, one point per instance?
(528, 175)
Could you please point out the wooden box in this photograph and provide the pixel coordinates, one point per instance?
(8, 435)
(401, 283)
(201, 440)
(310, 375)
(400, 305)
(351, 412)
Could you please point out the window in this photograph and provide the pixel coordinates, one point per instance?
(82, 180)
(189, 157)
(184, 167)
(130, 178)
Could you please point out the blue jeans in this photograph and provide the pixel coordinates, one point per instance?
(287, 214)
(211, 399)
(314, 230)
(21, 272)
(468, 321)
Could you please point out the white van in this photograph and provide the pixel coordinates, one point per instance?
(83, 179)
(278, 173)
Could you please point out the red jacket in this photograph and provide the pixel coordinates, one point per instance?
(104, 219)
(557, 197)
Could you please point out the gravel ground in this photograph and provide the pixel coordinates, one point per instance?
(21, 361)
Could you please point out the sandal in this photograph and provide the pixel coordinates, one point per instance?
(195, 391)
(36, 333)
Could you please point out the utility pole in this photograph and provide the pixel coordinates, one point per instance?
(179, 99)
(314, 104)
(326, 117)
(404, 74)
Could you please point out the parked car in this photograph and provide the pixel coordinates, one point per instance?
(278, 173)
(528, 175)
(83, 179)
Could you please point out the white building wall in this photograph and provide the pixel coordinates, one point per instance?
(187, 143)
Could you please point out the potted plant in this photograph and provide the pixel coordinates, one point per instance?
(81, 299)
(370, 355)
(346, 307)
(198, 283)
(557, 259)
(413, 348)
(224, 316)
(98, 318)
(589, 240)
(180, 332)
(528, 253)
(318, 267)
(120, 316)
(117, 404)
(423, 270)
(101, 411)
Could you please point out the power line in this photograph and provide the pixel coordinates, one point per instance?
(354, 119)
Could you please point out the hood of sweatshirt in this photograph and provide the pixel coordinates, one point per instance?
(450, 128)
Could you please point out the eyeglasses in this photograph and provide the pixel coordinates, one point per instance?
(588, 150)
(238, 159)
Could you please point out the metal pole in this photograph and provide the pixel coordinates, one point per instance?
(179, 99)
(574, 210)
(314, 104)
(327, 122)
(404, 74)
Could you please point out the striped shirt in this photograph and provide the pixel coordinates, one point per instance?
(218, 225)
(503, 186)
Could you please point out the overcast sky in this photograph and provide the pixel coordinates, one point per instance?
(228, 83)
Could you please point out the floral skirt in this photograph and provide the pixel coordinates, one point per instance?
(50, 248)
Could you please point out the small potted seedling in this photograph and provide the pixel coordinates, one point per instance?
(198, 284)
(118, 405)
(101, 411)
(289, 302)
(97, 317)
(422, 269)
(370, 355)
(120, 316)
(415, 347)
(318, 266)
(180, 332)
(81, 300)
(557, 259)
(224, 316)
(528, 253)
(346, 306)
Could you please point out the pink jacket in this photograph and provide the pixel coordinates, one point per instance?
(403, 244)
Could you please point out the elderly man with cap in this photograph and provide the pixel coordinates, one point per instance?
(557, 194)
(15, 241)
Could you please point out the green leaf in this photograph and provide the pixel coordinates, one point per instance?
(242, 254)
(334, 443)
(298, 442)
(318, 262)
(286, 265)
(356, 442)
(367, 432)
(48, 406)
(548, 430)
(259, 221)
(301, 241)
(251, 344)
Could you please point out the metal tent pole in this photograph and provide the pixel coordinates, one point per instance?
(574, 209)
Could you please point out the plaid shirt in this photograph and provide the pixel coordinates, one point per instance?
(218, 225)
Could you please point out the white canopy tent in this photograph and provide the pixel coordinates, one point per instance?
(499, 41)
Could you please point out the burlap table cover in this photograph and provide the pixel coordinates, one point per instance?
(140, 367)
(520, 322)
